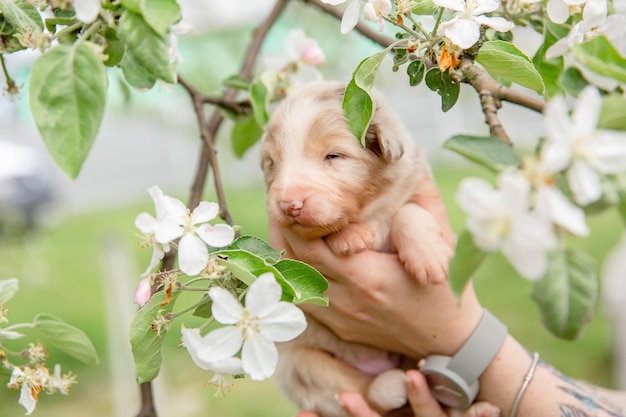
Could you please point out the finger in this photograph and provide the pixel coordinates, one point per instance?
(428, 197)
(355, 405)
(317, 253)
(419, 395)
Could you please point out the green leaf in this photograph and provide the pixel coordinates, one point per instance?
(67, 338)
(506, 60)
(134, 73)
(21, 14)
(150, 49)
(145, 342)
(424, 7)
(416, 71)
(308, 283)
(247, 266)
(8, 288)
(442, 84)
(203, 309)
(466, 260)
(244, 135)
(600, 56)
(237, 82)
(259, 99)
(487, 151)
(67, 97)
(573, 81)
(567, 295)
(114, 48)
(256, 246)
(612, 114)
(550, 70)
(161, 14)
(358, 105)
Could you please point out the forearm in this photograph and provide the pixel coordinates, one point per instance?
(549, 393)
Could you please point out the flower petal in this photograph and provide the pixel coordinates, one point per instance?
(284, 323)
(206, 211)
(461, 32)
(146, 223)
(498, 23)
(587, 111)
(456, 5)
(263, 295)
(259, 357)
(226, 308)
(193, 254)
(557, 10)
(27, 400)
(584, 182)
(350, 16)
(217, 235)
(220, 343)
(609, 152)
(231, 366)
(550, 201)
(485, 6)
(87, 10)
(167, 230)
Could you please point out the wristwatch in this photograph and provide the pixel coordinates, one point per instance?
(453, 380)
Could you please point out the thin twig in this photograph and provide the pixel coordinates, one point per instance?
(209, 130)
(491, 92)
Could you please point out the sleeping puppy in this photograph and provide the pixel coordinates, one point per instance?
(321, 183)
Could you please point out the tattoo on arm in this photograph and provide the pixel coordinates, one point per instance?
(587, 403)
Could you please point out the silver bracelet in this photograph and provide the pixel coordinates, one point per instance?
(527, 379)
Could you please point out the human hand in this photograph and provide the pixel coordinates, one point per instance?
(421, 402)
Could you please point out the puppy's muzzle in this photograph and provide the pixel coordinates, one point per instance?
(291, 208)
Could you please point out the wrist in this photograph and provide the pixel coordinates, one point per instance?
(454, 380)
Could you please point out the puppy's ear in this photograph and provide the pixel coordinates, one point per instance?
(383, 143)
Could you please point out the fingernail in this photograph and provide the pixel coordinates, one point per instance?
(338, 399)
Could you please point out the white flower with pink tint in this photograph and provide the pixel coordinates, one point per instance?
(375, 10)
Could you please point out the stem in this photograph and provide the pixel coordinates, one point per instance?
(90, 30)
(434, 32)
(5, 71)
(69, 29)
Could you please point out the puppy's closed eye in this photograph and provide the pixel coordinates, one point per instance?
(332, 156)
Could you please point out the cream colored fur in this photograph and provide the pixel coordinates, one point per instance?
(322, 183)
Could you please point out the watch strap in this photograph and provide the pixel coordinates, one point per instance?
(480, 349)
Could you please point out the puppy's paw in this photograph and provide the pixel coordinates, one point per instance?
(428, 264)
(388, 391)
(354, 238)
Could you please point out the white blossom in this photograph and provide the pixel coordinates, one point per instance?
(575, 145)
(559, 10)
(32, 381)
(500, 219)
(194, 232)
(253, 329)
(374, 11)
(463, 29)
(350, 15)
(87, 10)
(147, 224)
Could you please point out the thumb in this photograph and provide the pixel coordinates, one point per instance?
(421, 400)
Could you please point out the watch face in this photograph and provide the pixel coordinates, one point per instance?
(446, 391)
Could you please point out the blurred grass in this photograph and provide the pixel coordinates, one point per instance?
(60, 271)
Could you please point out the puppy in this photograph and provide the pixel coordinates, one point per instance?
(322, 183)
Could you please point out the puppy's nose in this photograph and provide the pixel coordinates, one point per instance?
(291, 208)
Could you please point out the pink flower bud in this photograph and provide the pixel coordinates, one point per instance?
(143, 292)
(313, 55)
